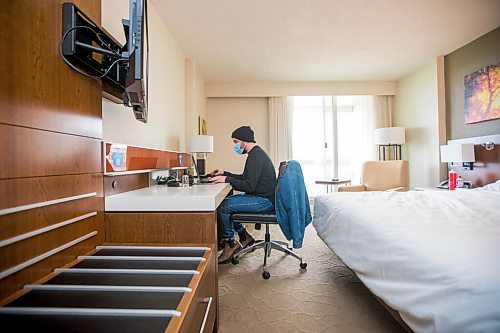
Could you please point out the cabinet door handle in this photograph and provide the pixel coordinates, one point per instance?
(209, 301)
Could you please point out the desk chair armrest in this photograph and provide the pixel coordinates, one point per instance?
(352, 188)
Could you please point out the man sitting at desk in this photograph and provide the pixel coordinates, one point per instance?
(257, 182)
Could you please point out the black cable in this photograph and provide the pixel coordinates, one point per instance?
(76, 68)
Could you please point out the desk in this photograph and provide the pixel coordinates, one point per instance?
(161, 198)
(333, 183)
(162, 215)
(166, 215)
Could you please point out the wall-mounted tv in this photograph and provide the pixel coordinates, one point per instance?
(92, 51)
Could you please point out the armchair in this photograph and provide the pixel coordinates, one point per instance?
(381, 176)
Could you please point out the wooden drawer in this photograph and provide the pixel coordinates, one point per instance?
(27, 191)
(45, 222)
(25, 249)
(42, 153)
(16, 224)
(68, 293)
(203, 308)
(168, 228)
(200, 310)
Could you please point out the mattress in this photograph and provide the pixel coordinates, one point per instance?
(434, 256)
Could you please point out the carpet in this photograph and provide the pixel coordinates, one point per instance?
(326, 297)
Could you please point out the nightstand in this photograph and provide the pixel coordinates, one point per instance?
(439, 189)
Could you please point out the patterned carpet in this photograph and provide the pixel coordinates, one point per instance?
(327, 297)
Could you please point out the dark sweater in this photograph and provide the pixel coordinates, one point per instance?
(258, 178)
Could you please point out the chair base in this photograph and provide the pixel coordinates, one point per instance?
(267, 244)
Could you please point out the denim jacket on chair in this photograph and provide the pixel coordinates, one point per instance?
(292, 204)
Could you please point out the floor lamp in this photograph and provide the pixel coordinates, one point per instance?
(392, 138)
(200, 145)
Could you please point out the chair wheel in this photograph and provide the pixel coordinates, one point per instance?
(303, 265)
(266, 275)
(235, 261)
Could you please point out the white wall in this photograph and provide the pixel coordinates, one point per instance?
(166, 101)
(224, 116)
(416, 109)
(196, 101)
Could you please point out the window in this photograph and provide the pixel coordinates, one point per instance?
(328, 138)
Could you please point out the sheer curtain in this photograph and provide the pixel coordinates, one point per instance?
(280, 128)
(356, 143)
(355, 119)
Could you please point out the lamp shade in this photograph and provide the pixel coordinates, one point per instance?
(201, 144)
(458, 153)
(390, 136)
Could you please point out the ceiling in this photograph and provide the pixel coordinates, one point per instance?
(322, 40)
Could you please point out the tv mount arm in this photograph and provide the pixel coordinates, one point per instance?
(92, 51)
(97, 49)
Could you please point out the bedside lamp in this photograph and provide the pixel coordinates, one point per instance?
(200, 145)
(390, 137)
(463, 153)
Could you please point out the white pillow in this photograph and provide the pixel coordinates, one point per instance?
(492, 187)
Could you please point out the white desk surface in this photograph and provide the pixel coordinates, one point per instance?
(160, 198)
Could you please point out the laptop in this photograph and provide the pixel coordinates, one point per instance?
(205, 179)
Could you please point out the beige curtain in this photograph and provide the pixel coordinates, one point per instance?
(383, 107)
(280, 129)
(376, 112)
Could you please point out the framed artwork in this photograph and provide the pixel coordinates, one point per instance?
(482, 90)
(202, 126)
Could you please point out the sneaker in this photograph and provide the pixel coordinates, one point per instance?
(230, 249)
(245, 238)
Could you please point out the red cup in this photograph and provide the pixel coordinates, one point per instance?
(452, 180)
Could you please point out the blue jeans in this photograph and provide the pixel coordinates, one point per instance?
(239, 203)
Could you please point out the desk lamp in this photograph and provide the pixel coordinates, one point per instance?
(200, 145)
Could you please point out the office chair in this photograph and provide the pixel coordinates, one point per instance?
(267, 244)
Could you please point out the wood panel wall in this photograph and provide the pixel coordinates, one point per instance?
(125, 183)
(51, 177)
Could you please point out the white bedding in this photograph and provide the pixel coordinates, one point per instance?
(434, 256)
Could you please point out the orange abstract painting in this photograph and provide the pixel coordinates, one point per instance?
(482, 90)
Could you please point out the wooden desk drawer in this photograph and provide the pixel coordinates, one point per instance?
(201, 312)
(115, 293)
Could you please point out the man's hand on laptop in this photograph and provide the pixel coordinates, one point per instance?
(216, 172)
(218, 179)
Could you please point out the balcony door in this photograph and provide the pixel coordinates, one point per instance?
(327, 138)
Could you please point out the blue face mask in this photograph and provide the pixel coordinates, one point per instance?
(237, 148)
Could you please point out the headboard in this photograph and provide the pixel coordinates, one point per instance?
(487, 166)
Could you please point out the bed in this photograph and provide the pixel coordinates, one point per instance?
(433, 256)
